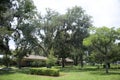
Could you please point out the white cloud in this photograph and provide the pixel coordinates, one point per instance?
(104, 12)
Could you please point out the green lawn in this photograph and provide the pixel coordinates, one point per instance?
(69, 73)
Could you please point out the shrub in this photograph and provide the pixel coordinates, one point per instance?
(45, 71)
(38, 64)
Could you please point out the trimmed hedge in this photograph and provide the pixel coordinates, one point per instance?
(45, 71)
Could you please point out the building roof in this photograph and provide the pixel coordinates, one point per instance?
(68, 60)
(35, 57)
(1, 56)
(38, 57)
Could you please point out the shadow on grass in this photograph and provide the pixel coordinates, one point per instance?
(76, 69)
(6, 72)
(91, 70)
(23, 70)
(103, 73)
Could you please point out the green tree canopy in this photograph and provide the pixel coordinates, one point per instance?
(102, 40)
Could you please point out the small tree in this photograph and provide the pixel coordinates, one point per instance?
(51, 59)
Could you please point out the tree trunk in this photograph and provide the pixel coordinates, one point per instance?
(81, 60)
(19, 63)
(76, 60)
(7, 52)
(106, 67)
(63, 62)
(6, 60)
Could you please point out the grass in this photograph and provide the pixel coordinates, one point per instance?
(68, 73)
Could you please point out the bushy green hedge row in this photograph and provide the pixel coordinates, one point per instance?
(45, 71)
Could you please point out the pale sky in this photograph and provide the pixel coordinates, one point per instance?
(104, 12)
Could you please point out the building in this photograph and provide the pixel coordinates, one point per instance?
(37, 60)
